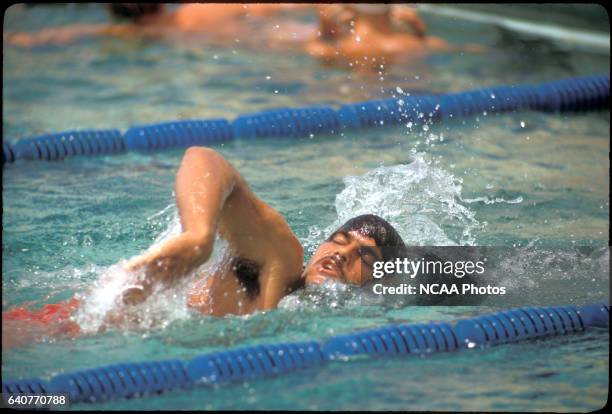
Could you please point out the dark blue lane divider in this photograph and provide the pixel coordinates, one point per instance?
(569, 95)
(62, 145)
(177, 134)
(297, 122)
(131, 380)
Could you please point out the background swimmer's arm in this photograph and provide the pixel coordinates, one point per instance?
(63, 35)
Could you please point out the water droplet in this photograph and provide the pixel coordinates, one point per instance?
(522, 124)
(268, 77)
(399, 90)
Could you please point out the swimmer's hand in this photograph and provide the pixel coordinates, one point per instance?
(167, 263)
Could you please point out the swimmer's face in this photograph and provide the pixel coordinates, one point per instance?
(347, 257)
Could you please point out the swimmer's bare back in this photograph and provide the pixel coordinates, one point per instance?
(212, 196)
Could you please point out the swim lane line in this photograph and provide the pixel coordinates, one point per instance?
(139, 379)
(578, 94)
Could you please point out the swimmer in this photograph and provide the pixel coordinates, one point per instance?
(267, 257)
(266, 262)
(374, 32)
(155, 19)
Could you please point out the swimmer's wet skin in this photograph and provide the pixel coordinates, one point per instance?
(267, 257)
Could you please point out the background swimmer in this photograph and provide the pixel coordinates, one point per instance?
(361, 35)
(155, 19)
(366, 35)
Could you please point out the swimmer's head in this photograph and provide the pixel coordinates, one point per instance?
(135, 12)
(348, 255)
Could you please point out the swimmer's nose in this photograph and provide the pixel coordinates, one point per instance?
(340, 257)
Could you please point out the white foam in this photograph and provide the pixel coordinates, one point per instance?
(416, 198)
(166, 305)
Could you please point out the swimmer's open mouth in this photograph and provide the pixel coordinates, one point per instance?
(330, 266)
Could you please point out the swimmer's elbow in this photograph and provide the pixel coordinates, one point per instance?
(207, 156)
(201, 152)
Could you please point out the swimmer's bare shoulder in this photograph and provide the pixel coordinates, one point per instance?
(212, 196)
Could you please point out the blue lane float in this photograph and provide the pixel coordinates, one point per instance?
(177, 134)
(579, 94)
(415, 109)
(286, 122)
(132, 380)
(54, 147)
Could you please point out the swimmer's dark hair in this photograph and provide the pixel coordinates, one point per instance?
(379, 229)
(134, 11)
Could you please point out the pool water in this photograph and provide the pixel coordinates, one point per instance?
(520, 179)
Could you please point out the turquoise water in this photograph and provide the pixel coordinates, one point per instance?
(521, 179)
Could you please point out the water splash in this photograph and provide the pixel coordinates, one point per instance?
(548, 276)
(492, 200)
(420, 200)
(329, 295)
(103, 305)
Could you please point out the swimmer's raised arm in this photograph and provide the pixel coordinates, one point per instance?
(203, 182)
(212, 196)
